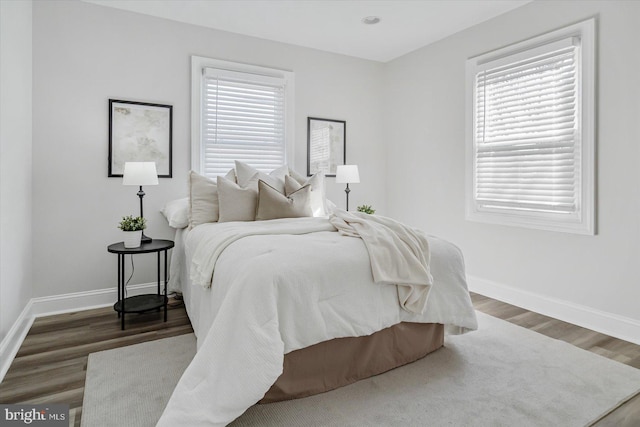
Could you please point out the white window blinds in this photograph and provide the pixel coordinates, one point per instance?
(527, 139)
(530, 132)
(243, 118)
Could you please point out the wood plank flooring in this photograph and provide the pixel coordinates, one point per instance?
(51, 364)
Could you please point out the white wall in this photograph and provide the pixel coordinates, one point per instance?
(425, 114)
(85, 54)
(15, 161)
(411, 132)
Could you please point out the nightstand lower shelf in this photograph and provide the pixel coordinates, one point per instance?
(141, 303)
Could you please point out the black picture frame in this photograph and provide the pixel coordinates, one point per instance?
(326, 145)
(140, 132)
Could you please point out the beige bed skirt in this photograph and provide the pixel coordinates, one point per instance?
(342, 361)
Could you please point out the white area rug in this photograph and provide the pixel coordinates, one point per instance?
(500, 375)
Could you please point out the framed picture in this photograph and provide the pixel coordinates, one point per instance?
(140, 132)
(326, 145)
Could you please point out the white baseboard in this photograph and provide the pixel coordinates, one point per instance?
(78, 301)
(13, 340)
(610, 324)
(58, 304)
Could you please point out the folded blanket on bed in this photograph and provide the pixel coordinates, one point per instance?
(399, 254)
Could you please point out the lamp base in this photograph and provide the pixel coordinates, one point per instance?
(347, 190)
(145, 239)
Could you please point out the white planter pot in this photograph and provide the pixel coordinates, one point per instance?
(132, 238)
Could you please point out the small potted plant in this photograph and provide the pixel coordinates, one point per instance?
(366, 209)
(132, 228)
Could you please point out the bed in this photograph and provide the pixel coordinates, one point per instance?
(287, 308)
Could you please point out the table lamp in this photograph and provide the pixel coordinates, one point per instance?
(347, 174)
(140, 173)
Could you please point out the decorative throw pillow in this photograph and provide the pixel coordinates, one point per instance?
(248, 175)
(298, 177)
(331, 207)
(272, 204)
(236, 203)
(291, 184)
(177, 213)
(203, 196)
(231, 175)
(318, 203)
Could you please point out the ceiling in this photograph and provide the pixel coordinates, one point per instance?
(331, 25)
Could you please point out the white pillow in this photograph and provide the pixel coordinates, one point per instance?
(331, 207)
(236, 203)
(318, 204)
(203, 193)
(177, 213)
(248, 175)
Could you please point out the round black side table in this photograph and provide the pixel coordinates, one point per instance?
(146, 302)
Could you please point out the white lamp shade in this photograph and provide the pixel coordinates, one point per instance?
(347, 174)
(140, 173)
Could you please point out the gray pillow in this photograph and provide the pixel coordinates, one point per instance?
(236, 203)
(272, 204)
(231, 175)
(317, 198)
(297, 176)
(203, 200)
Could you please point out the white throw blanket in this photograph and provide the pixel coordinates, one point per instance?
(273, 294)
(399, 254)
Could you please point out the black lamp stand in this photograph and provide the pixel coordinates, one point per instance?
(347, 190)
(144, 239)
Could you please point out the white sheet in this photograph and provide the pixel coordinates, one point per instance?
(275, 294)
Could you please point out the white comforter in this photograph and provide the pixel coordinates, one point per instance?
(274, 293)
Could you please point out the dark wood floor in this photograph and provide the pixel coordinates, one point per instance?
(51, 364)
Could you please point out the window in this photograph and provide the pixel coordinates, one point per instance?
(530, 133)
(240, 112)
